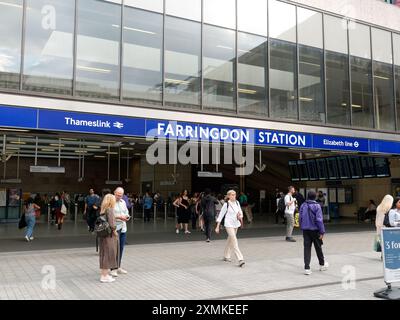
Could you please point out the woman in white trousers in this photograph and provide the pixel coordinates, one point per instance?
(233, 214)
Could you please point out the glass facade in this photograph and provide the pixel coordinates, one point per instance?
(49, 40)
(264, 59)
(10, 43)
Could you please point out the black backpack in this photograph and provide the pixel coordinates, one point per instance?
(102, 227)
(386, 221)
(281, 204)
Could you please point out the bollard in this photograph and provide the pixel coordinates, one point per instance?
(48, 213)
(132, 214)
(165, 211)
(76, 213)
(155, 211)
(143, 212)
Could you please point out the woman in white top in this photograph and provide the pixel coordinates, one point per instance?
(233, 214)
(394, 214)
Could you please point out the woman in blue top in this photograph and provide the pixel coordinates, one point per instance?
(30, 218)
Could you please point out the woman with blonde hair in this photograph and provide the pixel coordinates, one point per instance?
(108, 245)
(233, 214)
(383, 209)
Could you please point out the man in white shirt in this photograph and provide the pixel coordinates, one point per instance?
(121, 214)
(290, 207)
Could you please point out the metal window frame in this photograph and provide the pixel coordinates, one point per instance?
(236, 65)
(396, 113)
(267, 72)
(121, 51)
(22, 61)
(324, 78)
(202, 57)
(350, 77)
(297, 68)
(375, 113)
(163, 56)
(74, 54)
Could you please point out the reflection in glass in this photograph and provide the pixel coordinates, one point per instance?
(282, 79)
(219, 69)
(381, 45)
(97, 65)
(253, 16)
(189, 9)
(322, 169)
(142, 56)
(182, 62)
(361, 86)
(10, 43)
(312, 106)
(309, 27)
(337, 87)
(282, 21)
(252, 75)
(396, 49)
(360, 41)
(152, 5)
(220, 12)
(49, 46)
(335, 34)
(397, 82)
(384, 96)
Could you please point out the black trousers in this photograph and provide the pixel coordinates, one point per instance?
(91, 218)
(312, 237)
(194, 220)
(147, 215)
(208, 225)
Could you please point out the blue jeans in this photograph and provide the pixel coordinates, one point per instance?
(122, 237)
(30, 221)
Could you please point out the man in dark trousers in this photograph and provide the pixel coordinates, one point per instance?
(92, 206)
(208, 203)
(299, 198)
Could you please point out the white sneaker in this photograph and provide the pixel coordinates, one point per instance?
(31, 238)
(177, 231)
(27, 239)
(307, 272)
(107, 279)
(122, 271)
(324, 267)
(187, 232)
(114, 273)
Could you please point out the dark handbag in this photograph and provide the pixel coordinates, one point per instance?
(102, 227)
(22, 223)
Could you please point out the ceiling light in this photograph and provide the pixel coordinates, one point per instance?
(306, 99)
(380, 77)
(48, 150)
(107, 141)
(248, 91)
(69, 139)
(99, 156)
(134, 29)
(56, 145)
(12, 148)
(137, 154)
(176, 81)
(224, 47)
(93, 147)
(18, 142)
(10, 4)
(356, 106)
(126, 148)
(100, 70)
(80, 151)
(111, 152)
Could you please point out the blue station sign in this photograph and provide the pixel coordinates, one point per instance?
(45, 119)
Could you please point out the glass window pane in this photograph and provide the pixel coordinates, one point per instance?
(252, 74)
(253, 16)
(10, 43)
(220, 12)
(360, 41)
(337, 88)
(282, 21)
(283, 77)
(189, 9)
(152, 5)
(384, 95)
(381, 45)
(335, 34)
(142, 56)
(312, 106)
(397, 82)
(97, 65)
(49, 46)
(361, 86)
(309, 24)
(182, 62)
(396, 48)
(219, 68)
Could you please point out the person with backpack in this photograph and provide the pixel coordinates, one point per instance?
(108, 255)
(394, 214)
(311, 222)
(280, 208)
(208, 203)
(233, 214)
(382, 219)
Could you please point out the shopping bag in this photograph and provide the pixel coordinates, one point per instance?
(296, 220)
(377, 244)
(22, 223)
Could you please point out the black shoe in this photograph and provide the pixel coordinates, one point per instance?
(290, 239)
(241, 263)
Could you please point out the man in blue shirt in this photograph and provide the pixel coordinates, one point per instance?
(92, 205)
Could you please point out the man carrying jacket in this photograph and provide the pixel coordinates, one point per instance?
(311, 222)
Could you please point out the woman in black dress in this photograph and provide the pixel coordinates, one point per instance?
(183, 212)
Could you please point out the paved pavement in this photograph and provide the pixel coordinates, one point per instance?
(194, 270)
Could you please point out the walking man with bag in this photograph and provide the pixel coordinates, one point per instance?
(290, 208)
